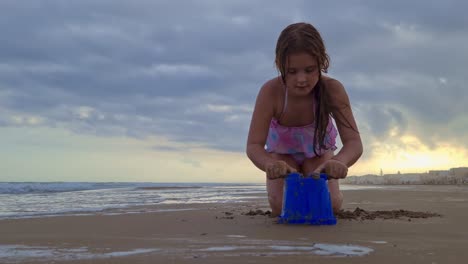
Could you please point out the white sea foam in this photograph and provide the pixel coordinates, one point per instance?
(21, 253)
(341, 250)
(128, 253)
(327, 249)
(236, 236)
(336, 250)
(224, 248)
(379, 242)
(292, 248)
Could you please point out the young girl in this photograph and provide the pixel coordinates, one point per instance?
(293, 118)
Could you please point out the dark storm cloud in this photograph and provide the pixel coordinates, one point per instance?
(190, 70)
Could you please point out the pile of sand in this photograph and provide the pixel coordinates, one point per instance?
(361, 214)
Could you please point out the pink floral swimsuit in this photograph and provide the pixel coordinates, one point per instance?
(298, 141)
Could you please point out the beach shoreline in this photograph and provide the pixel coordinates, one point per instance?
(226, 233)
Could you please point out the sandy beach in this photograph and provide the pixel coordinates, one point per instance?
(228, 233)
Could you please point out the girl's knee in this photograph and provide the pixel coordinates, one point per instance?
(335, 194)
(337, 201)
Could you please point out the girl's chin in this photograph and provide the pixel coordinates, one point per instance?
(302, 90)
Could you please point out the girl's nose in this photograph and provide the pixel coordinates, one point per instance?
(301, 77)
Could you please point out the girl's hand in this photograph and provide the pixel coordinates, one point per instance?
(334, 169)
(278, 169)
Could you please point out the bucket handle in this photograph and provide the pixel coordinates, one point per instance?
(313, 175)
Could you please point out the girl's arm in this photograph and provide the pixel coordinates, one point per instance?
(259, 125)
(347, 128)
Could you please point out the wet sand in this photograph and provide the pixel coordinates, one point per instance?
(420, 224)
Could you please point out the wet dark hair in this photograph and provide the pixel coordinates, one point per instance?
(300, 37)
(303, 37)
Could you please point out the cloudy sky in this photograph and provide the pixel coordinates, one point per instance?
(164, 90)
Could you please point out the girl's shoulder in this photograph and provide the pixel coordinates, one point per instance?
(273, 85)
(273, 89)
(335, 89)
(332, 83)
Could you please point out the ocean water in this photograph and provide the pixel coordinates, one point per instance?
(41, 199)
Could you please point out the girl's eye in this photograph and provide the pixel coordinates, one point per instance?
(291, 72)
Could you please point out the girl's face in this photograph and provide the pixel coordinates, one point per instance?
(302, 73)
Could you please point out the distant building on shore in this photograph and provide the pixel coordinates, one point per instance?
(452, 176)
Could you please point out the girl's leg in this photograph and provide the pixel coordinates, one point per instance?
(335, 194)
(310, 165)
(275, 187)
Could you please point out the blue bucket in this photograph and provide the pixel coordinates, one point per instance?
(306, 200)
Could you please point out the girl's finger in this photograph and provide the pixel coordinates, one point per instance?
(285, 171)
(291, 169)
